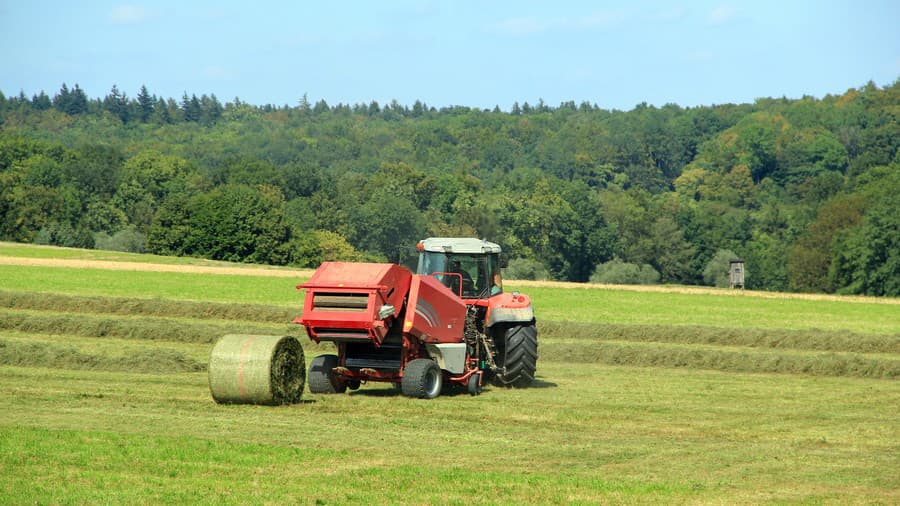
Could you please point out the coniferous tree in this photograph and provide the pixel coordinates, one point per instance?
(117, 104)
(418, 109)
(321, 107)
(78, 101)
(190, 108)
(145, 104)
(215, 109)
(41, 102)
(303, 105)
(62, 98)
(173, 111)
(161, 112)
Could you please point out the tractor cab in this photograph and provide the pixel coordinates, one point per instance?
(469, 267)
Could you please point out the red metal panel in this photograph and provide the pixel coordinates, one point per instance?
(511, 303)
(434, 314)
(355, 275)
(380, 284)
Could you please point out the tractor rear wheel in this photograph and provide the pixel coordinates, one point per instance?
(321, 379)
(422, 379)
(517, 353)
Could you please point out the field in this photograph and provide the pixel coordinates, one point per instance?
(646, 397)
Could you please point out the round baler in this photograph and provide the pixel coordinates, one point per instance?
(449, 323)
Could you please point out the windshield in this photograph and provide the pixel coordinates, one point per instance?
(470, 276)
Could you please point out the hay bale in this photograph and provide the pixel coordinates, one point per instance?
(255, 369)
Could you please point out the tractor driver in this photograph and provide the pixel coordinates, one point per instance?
(497, 285)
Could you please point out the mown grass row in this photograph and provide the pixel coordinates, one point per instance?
(723, 359)
(739, 349)
(146, 307)
(166, 361)
(148, 328)
(800, 339)
(586, 305)
(811, 339)
(602, 350)
(83, 315)
(61, 356)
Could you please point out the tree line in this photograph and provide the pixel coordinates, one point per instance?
(804, 190)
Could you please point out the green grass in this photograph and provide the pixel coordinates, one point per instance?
(802, 339)
(166, 285)
(716, 399)
(19, 250)
(110, 346)
(669, 308)
(590, 434)
(135, 327)
(146, 307)
(555, 304)
(66, 356)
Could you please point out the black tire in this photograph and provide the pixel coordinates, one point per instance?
(517, 355)
(320, 378)
(422, 379)
(474, 384)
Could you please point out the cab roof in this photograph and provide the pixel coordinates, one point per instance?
(466, 245)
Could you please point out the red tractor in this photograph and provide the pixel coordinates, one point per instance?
(449, 323)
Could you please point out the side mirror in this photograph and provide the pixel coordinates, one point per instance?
(504, 260)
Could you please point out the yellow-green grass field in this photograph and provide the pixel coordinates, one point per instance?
(641, 398)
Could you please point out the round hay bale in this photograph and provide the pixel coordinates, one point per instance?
(254, 369)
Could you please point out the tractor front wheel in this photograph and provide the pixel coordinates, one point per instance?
(321, 379)
(422, 379)
(517, 353)
(474, 384)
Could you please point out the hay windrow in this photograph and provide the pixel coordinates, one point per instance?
(705, 290)
(158, 361)
(811, 339)
(744, 361)
(257, 369)
(149, 328)
(147, 307)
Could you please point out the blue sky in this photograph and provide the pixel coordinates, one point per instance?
(473, 53)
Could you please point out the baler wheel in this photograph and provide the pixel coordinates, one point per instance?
(518, 356)
(422, 379)
(320, 378)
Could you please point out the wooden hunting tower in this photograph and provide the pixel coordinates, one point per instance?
(736, 273)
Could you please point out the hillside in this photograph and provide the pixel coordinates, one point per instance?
(805, 190)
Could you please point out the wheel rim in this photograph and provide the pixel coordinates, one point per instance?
(432, 382)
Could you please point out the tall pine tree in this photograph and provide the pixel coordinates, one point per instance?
(145, 104)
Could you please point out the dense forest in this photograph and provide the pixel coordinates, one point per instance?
(806, 191)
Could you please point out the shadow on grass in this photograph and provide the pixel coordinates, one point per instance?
(230, 404)
(539, 383)
(376, 392)
(449, 390)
